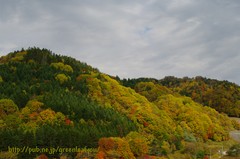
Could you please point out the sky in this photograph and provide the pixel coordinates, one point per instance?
(131, 38)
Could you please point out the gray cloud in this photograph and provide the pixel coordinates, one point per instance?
(135, 38)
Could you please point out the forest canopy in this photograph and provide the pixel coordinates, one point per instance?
(50, 100)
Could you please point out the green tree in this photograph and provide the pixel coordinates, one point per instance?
(234, 150)
(1, 79)
(13, 121)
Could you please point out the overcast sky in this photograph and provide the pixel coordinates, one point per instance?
(131, 38)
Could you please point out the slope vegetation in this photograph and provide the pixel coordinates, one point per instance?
(48, 100)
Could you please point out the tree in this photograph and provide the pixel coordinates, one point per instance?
(19, 56)
(8, 155)
(166, 149)
(34, 105)
(114, 147)
(137, 143)
(48, 116)
(1, 80)
(62, 66)
(7, 106)
(62, 78)
(234, 150)
(12, 121)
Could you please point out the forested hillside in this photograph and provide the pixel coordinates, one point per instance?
(53, 101)
(223, 96)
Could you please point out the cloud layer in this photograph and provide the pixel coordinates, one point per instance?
(135, 38)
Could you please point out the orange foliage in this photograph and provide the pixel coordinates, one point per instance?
(42, 156)
(33, 116)
(100, 155)
(146, 124)
(114, 147)
(106, 144)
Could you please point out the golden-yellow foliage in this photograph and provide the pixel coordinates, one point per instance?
(34, 105)
(19, 56)
(114, 147)
(204, 122)
(146, 115)
(138, 143)
(62, 78)
(62, 66)
(7, 106)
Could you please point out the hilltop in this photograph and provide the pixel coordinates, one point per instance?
(49, 100)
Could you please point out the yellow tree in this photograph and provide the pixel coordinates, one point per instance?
(114, 147)
(7, 106)
(34, 105)
(19, 56)
(62, 78)
(138, 143)
(49, 116)
(62, 66)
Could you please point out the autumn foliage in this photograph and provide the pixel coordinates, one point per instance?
(49, 100)
(114, 148)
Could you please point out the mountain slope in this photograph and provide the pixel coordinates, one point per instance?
(48, 100)
(223, 96)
